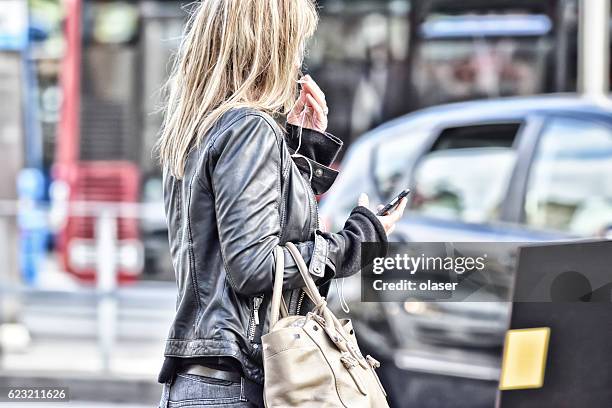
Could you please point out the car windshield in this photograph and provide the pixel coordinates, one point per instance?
(393, 156)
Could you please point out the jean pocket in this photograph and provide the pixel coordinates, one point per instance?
(190, 390)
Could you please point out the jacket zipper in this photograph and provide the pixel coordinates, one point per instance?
(315, 210)
(314, 213)
(254, 322)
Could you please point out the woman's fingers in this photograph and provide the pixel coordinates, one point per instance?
(363, 200)
(299, 104)
(313, 84)
(390, 220)
(297, 116)
(308, 113)
(311, 87)
(312, 102)
(310, 109)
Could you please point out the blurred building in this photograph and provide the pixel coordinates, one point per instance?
(377, 60)
(95, 69)
(374, 59)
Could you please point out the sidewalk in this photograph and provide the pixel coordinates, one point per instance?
(131, 359)
(76, 365)
(73, 404)
(86, 389)
(64, 350)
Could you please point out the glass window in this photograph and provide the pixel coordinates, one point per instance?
(466, 174)
(358, 55)
(467, 57)
(569, 186)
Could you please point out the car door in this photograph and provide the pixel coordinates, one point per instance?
(460, 182)
(566, 190)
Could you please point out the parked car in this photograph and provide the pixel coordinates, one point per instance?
(512, 169)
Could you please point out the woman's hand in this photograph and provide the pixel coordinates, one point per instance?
(310, 110)
(388, 221)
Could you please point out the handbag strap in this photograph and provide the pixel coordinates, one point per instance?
(278, 307)
(277, 291)
(311, 287)
(331, 321)
(332, 325)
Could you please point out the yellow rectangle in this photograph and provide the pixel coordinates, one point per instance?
(524, 360)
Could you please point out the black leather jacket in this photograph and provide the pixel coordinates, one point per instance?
(242, 195)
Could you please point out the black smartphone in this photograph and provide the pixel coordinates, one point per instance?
(393, 203)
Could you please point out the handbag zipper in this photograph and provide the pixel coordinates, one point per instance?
(254, 322)
(299, 305)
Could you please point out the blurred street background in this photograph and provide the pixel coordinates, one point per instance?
(495, 113)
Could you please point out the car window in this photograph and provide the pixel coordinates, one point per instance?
(569, 185)
(465, 176)
(394, 156)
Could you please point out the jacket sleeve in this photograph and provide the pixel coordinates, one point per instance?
(323, 148)
(344, 247)
(245, 170)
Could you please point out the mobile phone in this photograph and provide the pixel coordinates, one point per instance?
(393, 203)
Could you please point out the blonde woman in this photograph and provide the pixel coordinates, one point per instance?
(236, 185)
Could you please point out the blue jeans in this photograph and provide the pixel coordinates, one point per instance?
(194, 391)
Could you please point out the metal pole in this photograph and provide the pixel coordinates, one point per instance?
(562, 16)
(594, 48)
(106, 268)
(10, 303)
(4, 280)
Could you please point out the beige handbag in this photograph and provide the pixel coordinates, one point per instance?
(314, 360)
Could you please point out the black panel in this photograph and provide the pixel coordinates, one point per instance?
(579, 365)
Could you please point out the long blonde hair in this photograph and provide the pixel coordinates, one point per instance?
(234, 53)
